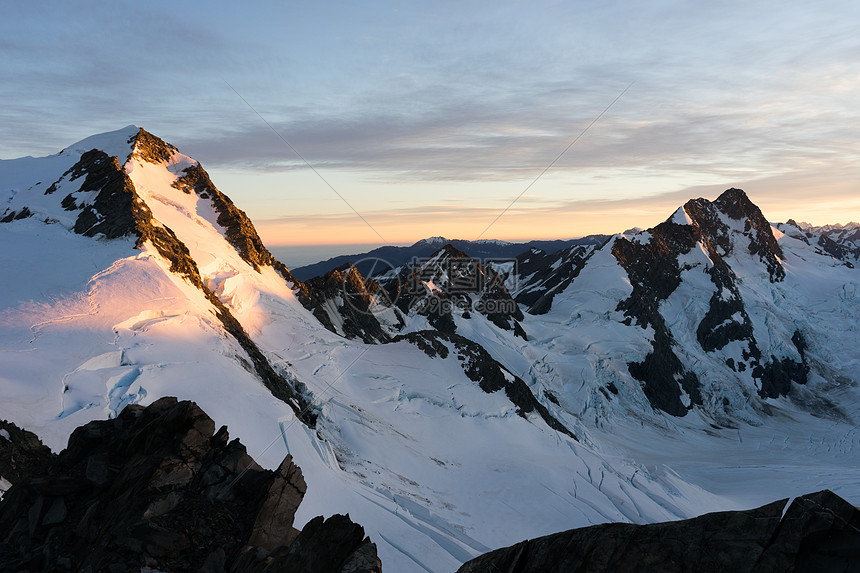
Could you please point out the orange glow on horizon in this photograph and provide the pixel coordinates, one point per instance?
(568, 221)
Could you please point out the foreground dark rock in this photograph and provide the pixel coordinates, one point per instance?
(819, 532)
(21, 452)
(158, 487)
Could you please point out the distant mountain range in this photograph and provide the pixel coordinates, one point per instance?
(382, 259)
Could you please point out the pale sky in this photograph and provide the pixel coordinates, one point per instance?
(430, 118)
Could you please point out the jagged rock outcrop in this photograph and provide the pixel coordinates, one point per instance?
(761, 242)
(549, 274)
(159, 488)
(151, 148)
(21, 452)
(841, 242)
(448, 282)
(10, 215)
(343, 297)
(653, 263)
(654, 274)
(819, 532)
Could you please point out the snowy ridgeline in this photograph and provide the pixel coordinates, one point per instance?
(438, 463)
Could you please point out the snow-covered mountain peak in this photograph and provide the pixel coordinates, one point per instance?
(178, 218)
(116, 143)
(153, 149)
(680, 217)
(491, 242)
(444, 254)
(698, 285)
(432, 241)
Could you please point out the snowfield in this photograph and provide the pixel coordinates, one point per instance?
(434, 468)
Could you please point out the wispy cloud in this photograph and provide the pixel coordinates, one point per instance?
(780, 197)
(406, 96)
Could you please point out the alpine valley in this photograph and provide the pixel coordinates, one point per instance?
(450, 405)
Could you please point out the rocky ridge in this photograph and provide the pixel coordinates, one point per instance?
(382, 259)
(546, 274)
(839, 241)
(449, 283)
(348, 304)
(160, 488)
(818, 532)
(21, 452)
(109, 206)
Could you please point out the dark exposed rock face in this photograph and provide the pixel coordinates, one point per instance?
(653, 269)
(460, 282)
(150, 148)
(20, 453)
(735, 203)
(719, 325)
(335, 544)
(655, 272)
(158, 487)
(9, 215)
(839, 251)
(819, 532)
(663, 375)
(841, 242)
(118, 211)
(114, 212)
(480, 367)
(549, 274)
(344, 291)
(777, 375)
